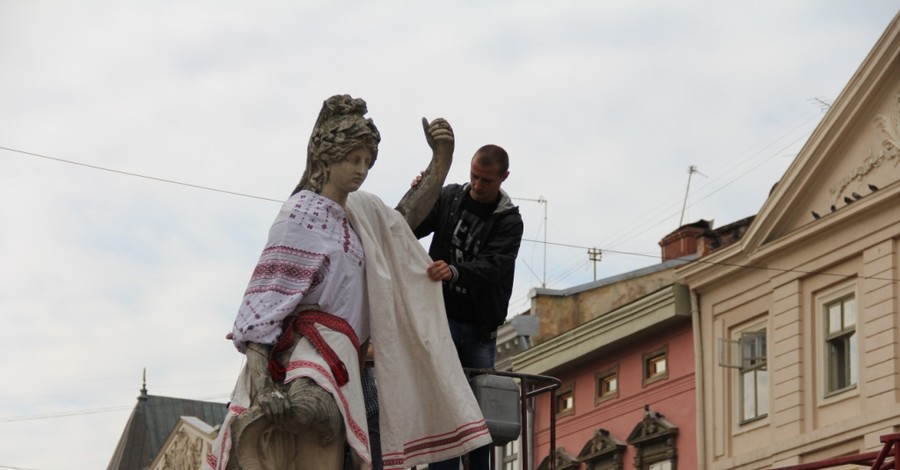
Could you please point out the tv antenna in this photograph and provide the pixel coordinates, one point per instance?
(691, 170)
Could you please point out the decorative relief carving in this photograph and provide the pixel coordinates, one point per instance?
(653, 439)
(185, 453)
(603, 452)
(889, 151)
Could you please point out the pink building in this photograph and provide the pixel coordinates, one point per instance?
(623, 348)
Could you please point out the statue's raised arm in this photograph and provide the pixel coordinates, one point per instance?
(418, 201)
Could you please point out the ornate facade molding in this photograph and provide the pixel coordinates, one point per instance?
(888, 151)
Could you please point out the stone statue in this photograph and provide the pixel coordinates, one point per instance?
(298, 425)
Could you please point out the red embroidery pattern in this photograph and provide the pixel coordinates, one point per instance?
(430, 444)
(295, 271)
(335, 391)
(346, 227)
(304, 323)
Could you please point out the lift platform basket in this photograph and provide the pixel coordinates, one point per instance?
(498, 398)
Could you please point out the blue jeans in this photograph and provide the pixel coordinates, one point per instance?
(475, 354)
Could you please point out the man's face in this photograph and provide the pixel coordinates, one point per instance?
(485, 181)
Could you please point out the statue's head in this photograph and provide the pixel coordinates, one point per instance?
(340, 128)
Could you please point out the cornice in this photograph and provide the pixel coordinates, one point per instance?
(665, 305)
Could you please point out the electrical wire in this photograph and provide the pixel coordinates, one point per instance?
(605, 250)
(109, 409)
(138, 175)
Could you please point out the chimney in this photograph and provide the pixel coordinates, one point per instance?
(683, 242)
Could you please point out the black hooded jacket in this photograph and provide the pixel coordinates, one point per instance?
(487, 280)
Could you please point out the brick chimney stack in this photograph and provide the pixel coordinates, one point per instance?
(684, 241)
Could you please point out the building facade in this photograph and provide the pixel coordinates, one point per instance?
(797, 324)
(623, 349)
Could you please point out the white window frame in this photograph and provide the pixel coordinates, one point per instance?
(659, 355)
(751, 367)
(824, 365)
(742, 353)
(662, 465)
(510, 455)
(560, 396)
(600, 378)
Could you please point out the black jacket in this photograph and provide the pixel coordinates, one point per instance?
(488, 278)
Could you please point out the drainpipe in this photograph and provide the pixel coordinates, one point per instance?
(698, 377)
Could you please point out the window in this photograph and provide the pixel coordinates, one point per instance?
(603, 452)
(656, 365)
(510, 455)
(654, 440)
(565, 400)
(754, 376)
(841, 348)
(607, 384)
(748, 355)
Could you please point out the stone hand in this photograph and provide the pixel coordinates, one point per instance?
(275, 405)
(439, 135)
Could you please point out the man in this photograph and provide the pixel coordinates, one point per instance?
(477, 232)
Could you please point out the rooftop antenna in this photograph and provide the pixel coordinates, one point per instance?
(823, 105)
(541, 200)
(691, 170)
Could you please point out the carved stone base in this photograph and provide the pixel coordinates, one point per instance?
(312, 439)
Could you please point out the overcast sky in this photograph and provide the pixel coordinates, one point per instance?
(602, 105)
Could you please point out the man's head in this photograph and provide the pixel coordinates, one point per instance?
(490, 167)
(340, 129)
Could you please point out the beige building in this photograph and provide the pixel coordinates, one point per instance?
(798, 324)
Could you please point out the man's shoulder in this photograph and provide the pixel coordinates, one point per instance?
(453, 188)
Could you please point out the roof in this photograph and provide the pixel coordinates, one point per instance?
(150, 423)
(614, 279)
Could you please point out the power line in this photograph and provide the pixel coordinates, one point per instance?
(667, 210)
(66, 414)
(719, 263)
(138, 175)
(545, 242)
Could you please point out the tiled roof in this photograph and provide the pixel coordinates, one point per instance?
(151, 421)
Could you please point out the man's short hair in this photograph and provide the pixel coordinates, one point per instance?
(490, 155)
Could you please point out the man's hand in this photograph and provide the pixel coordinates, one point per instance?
(439, 135)
(439, 271)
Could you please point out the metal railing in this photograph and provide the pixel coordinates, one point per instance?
(549, 385)
(886, 459)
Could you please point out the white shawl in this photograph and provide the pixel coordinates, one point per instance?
(427, 409)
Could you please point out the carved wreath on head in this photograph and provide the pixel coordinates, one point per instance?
(340, 128)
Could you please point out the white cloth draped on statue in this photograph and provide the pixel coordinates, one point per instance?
(428, 412)
(427, 409)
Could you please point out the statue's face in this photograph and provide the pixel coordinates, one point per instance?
(348, 174)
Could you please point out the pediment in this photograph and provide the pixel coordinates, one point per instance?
(564, 460)
(852, 155)
(654, 427)
(601, 446)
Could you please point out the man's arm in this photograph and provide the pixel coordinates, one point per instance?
(496, 258)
